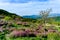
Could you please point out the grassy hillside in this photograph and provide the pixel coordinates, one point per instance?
(8, 14)
(15, 27)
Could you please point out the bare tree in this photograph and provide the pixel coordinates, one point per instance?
(44, 15)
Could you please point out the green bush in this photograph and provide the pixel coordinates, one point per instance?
(7, 18)
(53, 36)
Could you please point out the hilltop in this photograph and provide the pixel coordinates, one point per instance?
(13, 16)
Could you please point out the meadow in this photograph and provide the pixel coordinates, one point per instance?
(15, 27)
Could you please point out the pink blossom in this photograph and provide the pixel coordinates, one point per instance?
(1, 29)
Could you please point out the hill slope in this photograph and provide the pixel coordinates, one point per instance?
(6, 13)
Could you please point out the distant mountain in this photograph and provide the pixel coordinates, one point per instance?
(38, 16)
(54, 15)
(32, 16)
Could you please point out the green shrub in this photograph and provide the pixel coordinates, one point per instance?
(53, 36)
(7, 18)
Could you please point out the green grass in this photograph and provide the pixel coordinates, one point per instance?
(26, 38)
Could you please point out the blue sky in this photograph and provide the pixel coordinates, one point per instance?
(29, 7)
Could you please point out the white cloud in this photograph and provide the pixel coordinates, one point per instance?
(31, 8)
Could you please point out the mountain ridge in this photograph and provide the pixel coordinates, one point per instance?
(38, 16)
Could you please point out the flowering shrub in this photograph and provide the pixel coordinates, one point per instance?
(1, 29)
(31, 32)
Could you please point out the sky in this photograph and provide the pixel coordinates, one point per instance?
(29, 7)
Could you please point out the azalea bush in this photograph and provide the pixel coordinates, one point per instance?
(40, 33)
